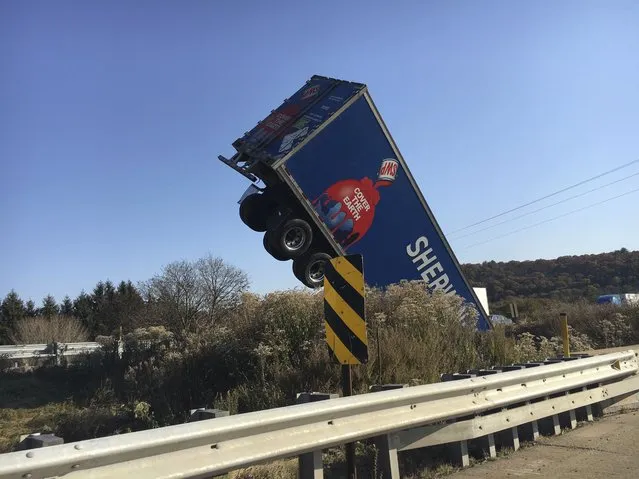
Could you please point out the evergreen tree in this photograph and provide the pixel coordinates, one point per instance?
(30, 309)
(83, 309)
(129, 307)
(66, 308)
(11, 311)
(103, 320)
(49, 307)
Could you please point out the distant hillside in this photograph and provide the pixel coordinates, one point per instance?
(567, 277)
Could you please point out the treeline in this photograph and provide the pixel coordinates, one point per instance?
(566, 278)
(189, 296)
(185, 297)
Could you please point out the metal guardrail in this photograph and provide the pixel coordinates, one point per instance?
(400, 419)
(27, 351)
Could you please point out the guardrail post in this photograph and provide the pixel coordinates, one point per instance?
(510, 437)
(459, 450)
(570, 417)
(588, 409)
(534, 427)
(56, 353)
(310, 464)
(459, 453)
(387, 460)
(551, 423)
(36, 440)
(201, 414)
(489, 440)
(598, 408)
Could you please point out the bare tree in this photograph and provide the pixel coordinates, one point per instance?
(39, 330)
(189, 296)
(178, 295)
(222, 285)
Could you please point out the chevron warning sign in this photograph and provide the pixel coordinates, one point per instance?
(344, 309)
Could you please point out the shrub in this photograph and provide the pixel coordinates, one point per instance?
(591, 325)
(103, 420)
(268, 348)
(40, 330)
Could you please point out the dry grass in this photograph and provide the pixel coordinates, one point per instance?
(29, 404)
(275, 470)
(14, 422)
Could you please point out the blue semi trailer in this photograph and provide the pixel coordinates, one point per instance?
(328, 180)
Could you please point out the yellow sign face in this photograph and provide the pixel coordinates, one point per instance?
(344, 309)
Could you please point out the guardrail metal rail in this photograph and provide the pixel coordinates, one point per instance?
(28, 351)
(477, 406)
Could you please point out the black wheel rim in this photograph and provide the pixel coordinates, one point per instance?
(316, 271)
(294, 238)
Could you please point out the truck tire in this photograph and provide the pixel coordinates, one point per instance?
(291, 239)
(309, 269)
(270, 250)
(254, 211)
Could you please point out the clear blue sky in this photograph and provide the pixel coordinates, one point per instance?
(112, 115)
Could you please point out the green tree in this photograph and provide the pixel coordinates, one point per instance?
(83, 309)
(66, 308)
(129, 307)
(568, 277)
(30, 310)
(11, 311)
(102, 316)
(104, 309)
(49, 307)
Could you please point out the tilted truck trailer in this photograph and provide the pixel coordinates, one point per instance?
(329, 180)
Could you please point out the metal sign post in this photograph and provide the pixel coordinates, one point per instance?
(564, 334)
(345, 323)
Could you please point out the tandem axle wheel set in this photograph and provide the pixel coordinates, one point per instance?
(287, 236)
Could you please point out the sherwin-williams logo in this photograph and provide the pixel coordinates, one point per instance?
(310, 92)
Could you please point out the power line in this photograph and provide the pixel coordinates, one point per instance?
(547, 206)
(547, 196)
(552, 219)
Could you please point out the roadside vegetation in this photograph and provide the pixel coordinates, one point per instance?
(194, 336)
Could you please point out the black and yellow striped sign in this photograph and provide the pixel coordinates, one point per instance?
(344, 309)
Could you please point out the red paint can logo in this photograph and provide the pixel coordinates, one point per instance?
(347, 207)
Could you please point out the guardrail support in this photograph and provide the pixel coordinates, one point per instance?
(37, 440)
(310, 465)
(570, 417)
(531, 430)
(201, 414)
(551, 423)
(489, 442)
(510, 437)
(588, 409)
(387, 460)
(459, 453)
